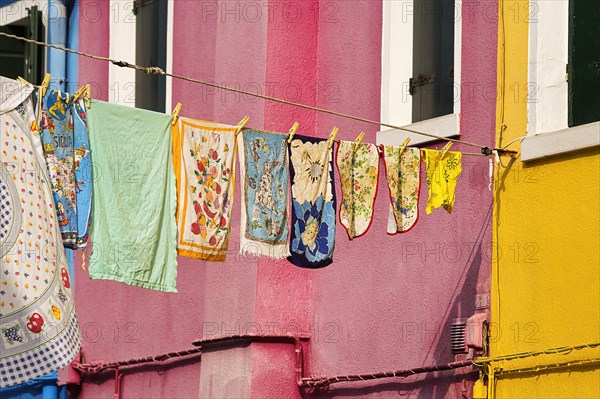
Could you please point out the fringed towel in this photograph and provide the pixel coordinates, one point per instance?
(313, 203)
(442, 175)
(67, 152)
(359, 175)
(39, 332)
(264, 171)
(204, 159)
(403, 177)
(134, 199)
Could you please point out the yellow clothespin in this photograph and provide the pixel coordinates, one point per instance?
(84, 91)
(293, 131)
(175, 113)
(358, 140)
(241, 125)
(446, 148)
(403, 145)
(334, 133)
(81, 92)
(45, 84)
(20, 79)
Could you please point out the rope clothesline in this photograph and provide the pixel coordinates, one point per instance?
(153, 70)
(477, 362)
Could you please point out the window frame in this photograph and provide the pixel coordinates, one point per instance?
(548, 132)
(397, 68)
(121, 81)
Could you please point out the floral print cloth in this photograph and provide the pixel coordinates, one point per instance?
(313, 202)
(442, 175)
(39, 332)
(67, 151)
(204, 157)
(264, 168)
(359, 175)
(403, 177)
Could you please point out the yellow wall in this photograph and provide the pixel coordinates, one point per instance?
(546, 278)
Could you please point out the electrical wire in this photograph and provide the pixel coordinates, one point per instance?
(158, 71)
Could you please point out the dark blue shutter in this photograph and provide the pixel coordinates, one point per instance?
(151, 50)
(584, 62)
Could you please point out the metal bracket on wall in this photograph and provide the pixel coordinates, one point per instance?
(419, 81)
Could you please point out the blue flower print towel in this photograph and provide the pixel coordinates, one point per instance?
(313, 203)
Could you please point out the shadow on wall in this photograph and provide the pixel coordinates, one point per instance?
(443, 384)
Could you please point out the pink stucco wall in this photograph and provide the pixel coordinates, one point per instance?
(94, 16)
(386, 302)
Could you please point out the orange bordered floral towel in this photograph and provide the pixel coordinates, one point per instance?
(359, 176)
(204, 157)
(403, 177)
(39, 332)
(442, 175)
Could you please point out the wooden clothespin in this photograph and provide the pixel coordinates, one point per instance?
(241, 125)
(446, 148)
(175, 113)
(293, 131)
(83, 92)
(403, 146)
(20, 79)
(358, 141)
(331, 139)
(45, 84)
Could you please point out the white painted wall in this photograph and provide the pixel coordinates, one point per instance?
(547, 90)
(121, 81)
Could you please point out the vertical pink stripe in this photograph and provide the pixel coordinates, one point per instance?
(94, 38)
(194, 50)
(292, 64)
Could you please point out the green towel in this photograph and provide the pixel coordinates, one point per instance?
(134, 197)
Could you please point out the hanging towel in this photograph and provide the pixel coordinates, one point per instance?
(134, 199)
(39, 332)
(313, 202)
(264, 171)
(67, 151)
(442, 175)
(205, 170)
(403, 177)
(359, 175)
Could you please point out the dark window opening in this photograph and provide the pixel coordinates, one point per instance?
(19, 58)
(432, 83)
(151, 50)
(584, 62)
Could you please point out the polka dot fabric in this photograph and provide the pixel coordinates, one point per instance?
(39, 332)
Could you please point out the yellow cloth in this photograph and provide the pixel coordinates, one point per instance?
(442, 175)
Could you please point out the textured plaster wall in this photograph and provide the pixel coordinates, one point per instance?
(546, 279)
(386, 302)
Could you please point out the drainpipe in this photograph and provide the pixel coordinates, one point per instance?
(73, 40)
(57, 35)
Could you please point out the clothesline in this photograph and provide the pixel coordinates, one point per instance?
(472, 154)
(485, 151)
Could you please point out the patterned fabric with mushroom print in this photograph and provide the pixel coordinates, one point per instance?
(313, 203)
(37, 311)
